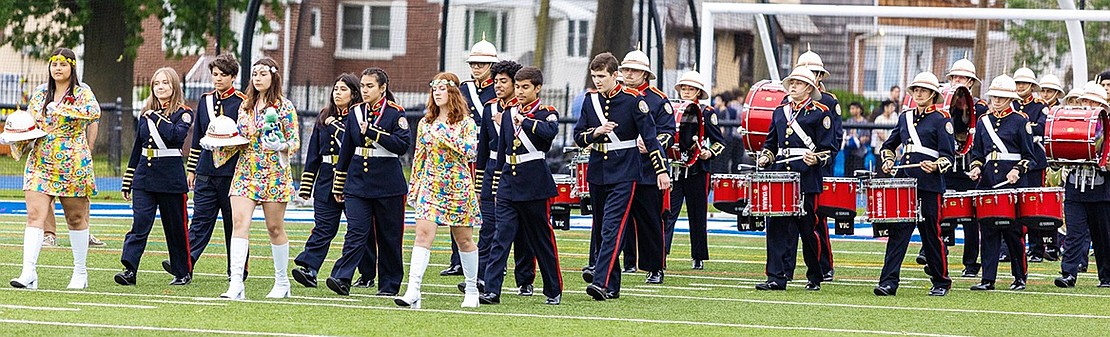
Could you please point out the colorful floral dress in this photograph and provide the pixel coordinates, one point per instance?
(60, 164)
(442, 187)
(263, 175)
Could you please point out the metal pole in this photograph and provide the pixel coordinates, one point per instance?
(248, 41)
(659, 38)
(115, 151)
(694, 21)
(443, 36)
(219, 24)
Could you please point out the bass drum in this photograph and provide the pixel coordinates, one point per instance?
(755, 116)
(959, 103)
(1071, 136)
(690, 130)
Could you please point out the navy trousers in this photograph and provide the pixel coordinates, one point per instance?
(210, 198)
(1014, 238)
(326, 213)
(525, 266)
(528, 221)
(171, 206)
(694, 191)
(933, 245)
(612, 204)
(782, 243)
(373, 225)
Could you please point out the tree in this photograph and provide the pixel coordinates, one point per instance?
(111, 32)
(612, 30)
(1045, 43)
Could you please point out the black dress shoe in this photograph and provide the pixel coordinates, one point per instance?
(554, 300)
(339, 286)
(489, 298)
(655, 277)
(180, 281)
(630, 270)
(1035, 259)
(1017, 285)
(526, 290)
(305, 276)
(481, 287)
(588, 275)
(1004, 258)
(968, 272)
(1052, 256)
(596, 292)
(813, 286)
(1104, 284)
(828, 277)
(984, 285)
(770, 285)
(1082, 269)
(938, 291)
(921, 259)
(126, 277)
(363, 282)
(167, 266)
(386, 293)
(885, 291)
(699, 265)
(1066, 281)
(452, 270)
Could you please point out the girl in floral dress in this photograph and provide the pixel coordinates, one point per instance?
(442, 189)
(262, 175)
(59, 165)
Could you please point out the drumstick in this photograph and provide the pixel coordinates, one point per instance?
(1001, 184)
(906, 166)
(787, 160)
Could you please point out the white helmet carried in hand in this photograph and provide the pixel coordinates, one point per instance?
(223, 132)
(21, 126)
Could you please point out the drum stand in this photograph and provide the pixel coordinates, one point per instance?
(560, 216)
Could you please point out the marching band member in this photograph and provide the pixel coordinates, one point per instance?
(58, 166)
(647, 231)
(442, 191)
(319, 176)
(268, 122)
(807, 124)
(1041, 242)
(1052, 91)
(612, 118)
(926, 135)
(211, 184)
(1003, 152)
(155, 179)
(1087, 210)
(488, 139)
(475, 92)
(692, 183)
(377, 133)
(1072, 98)
(525, 189)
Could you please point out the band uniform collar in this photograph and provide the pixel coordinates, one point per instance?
(643, 87)
(530, 108)
(377, 107)
(615, 90)
(227, 93)
(506, 104)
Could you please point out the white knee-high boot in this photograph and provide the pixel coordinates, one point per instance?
(239, 248)
(32, 244)
(469, 262)
(417, 265)
(79, 241)
(281, 271)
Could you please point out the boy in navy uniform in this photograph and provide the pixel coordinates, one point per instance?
(489, 132)
(646, 234)
(475, 92)
(612, 118)
(800, 128)
(1042, 243)
(155, 179)
(691, 183)
(369, 180)
(211, 184)
(1003, 158)
(926, 136)
(1087, 208)
(526, 133)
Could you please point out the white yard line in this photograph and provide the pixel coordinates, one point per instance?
(113, 305)
(27, 307)
(150, 328)
(186, 302)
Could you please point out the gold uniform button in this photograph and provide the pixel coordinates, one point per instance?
(148, 164)
(365, 169)
(514, 173)
(606, 157)
(333, 142)
(786, 143)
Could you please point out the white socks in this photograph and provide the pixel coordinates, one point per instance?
(32, 244)
(239, 248)
(79, 241)
(469, 262)
(281, 271)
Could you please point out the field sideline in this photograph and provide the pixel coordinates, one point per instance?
(720, 300)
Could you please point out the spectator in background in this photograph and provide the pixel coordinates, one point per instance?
(895, 95)
(888, 118)
(858, 141)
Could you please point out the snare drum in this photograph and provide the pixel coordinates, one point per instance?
(892, 200)
(958, 209)
(774, 194)
(1070, 134)
(1041, 208)
(996, 207)
(581, 186)
(838, 198)
(729, 193)
(755, 116)
(564, 183)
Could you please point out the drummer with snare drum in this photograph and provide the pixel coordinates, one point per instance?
(1003, 156)
(800, 140)
(925, 135)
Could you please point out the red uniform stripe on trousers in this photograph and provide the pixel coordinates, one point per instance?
(816, 231)
(940, 242)
(554, 247)
(185, 223)
(663, 224)
(1024, 259)
(620, 235)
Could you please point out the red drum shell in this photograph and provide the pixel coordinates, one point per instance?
(1041, 207)
(581, 186)
(728, 188)
(1070, 134)
(759, 107)
(565, 185)
(838, 197)
(775, 194)
(996, 207)
(958, 205)
(892, 200)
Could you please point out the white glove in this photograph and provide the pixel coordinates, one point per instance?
(206, 146)
(274, 146)
(4, 141)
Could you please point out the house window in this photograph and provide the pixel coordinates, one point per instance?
(883, 65)
(687, 53)
(316, 39)
(957, 53)
(370, 29)
(870, 69)
(485, 24)
(577, 38)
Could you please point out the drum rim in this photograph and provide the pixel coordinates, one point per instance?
(1040, 190)
(727, 176)
(1004, 191)
(841, 179)
(755, 176)
(891, 182)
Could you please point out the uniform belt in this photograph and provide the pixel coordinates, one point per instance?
(367, 152)
(493, 154)
(793, 152)
(613, 146)
(996, 156)
(330, 159)
(515, 159)
(158, 153)
(922, 150)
